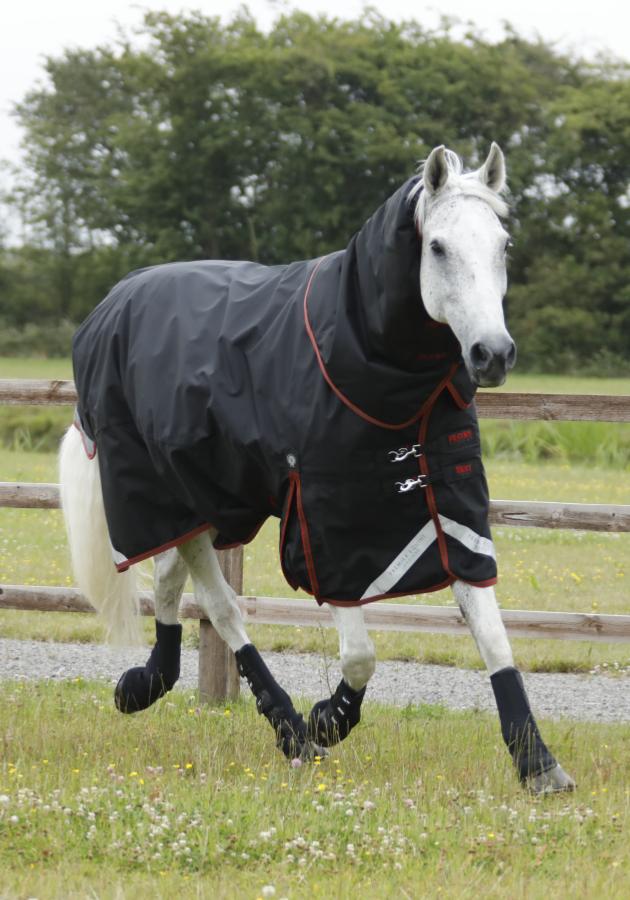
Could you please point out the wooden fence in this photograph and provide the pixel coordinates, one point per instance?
(218, 678)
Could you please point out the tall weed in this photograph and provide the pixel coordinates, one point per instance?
(602, 444)
(33, 429)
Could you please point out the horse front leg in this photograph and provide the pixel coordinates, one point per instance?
(538, 769)
(218, 600)
(332, 720)
(141, 686)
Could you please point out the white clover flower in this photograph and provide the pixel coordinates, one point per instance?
(268, 890)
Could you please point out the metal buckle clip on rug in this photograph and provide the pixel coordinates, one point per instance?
(411, 484)
(404, 452)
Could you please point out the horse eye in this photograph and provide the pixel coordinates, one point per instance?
(508, 245)
(437, 248)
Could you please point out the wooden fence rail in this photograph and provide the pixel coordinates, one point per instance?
(382, 616)
(524, 513)
(218, 677)
(36, 392)
(490, 404)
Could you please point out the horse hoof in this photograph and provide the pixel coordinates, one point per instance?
(137, 690)
(124, 700)
(553, 781)
(311, 751)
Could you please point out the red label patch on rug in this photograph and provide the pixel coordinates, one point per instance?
(459, 437)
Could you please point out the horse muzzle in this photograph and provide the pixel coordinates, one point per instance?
(490, 359)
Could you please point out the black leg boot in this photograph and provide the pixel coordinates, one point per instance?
(138, 688)
(332, 720)
(273, 702)
(518, 726)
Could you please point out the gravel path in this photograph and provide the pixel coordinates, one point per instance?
(593, 698)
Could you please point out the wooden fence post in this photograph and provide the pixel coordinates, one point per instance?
(218, 673)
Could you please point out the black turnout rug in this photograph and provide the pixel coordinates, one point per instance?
(221, 393)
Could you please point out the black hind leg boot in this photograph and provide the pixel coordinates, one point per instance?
(332, 720)
(138, 688)
(518, 726)
(273, 702)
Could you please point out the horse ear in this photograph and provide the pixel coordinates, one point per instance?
(435, 172)
(492, 173)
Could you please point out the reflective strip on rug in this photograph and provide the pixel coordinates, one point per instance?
(403, 562)
(474, 542)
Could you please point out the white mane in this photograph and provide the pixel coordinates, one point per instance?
(467, 183)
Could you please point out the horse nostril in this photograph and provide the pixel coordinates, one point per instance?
(480, 356)
(511, 356)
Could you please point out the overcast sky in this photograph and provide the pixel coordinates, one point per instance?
(33, 29)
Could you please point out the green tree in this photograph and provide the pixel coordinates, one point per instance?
(573, 259)
(219, 140)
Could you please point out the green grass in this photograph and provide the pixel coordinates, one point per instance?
(604, 445)
(35, 367)
(564, 384)
(29, 428)
(195, 802)
(539, 569)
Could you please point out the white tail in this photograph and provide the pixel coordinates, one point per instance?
(113, 595)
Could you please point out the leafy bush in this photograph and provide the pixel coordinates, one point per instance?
(602, 444)
(49, 339)
(27, 428)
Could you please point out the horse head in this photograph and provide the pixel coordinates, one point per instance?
(463, 275)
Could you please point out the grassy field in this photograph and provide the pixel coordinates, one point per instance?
(196, 803)
(565, 384)
(38, 367)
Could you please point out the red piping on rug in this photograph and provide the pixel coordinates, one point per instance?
(122, 567)
(457, 397)
(429, 590)
(431, 501)
(432, 504)
(306, 541)
(356, 409)
(84, 442)
(285, 522)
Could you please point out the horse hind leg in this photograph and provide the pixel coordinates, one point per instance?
(139, 687)
(537, 767)
(331, 721)
(218, 600)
